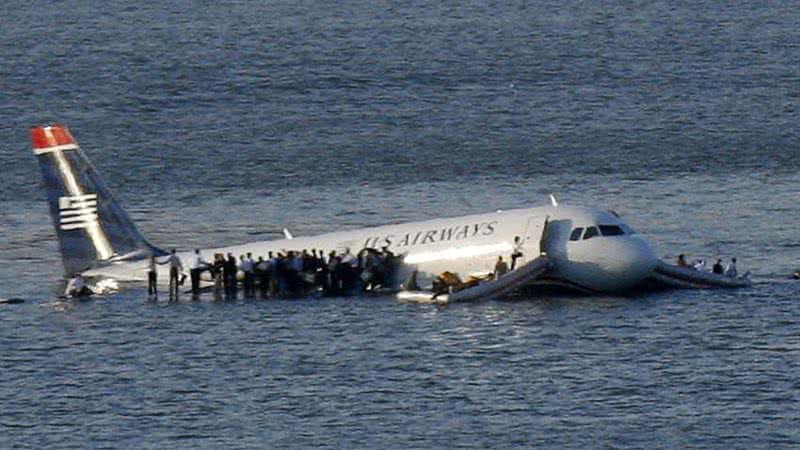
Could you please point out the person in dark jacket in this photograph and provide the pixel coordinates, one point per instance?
(229, 270)
(152, 277)
(717, 268)
(500, 268)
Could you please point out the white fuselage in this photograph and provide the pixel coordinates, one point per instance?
(470, 245)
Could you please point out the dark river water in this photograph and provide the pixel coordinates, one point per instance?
(218, 124)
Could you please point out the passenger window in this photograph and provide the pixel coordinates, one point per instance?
(590, 233)
(576, 234)
(611, 230)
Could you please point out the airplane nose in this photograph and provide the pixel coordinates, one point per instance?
(643, 259)
(632, 262)
(607, 264)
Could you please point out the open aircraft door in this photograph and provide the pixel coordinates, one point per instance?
(531, 239)
(538, 237)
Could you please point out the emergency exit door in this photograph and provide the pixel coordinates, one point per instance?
(536, 240)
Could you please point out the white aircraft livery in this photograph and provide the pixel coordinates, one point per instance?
(587, 248)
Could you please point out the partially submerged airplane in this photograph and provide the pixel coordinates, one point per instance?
(587, 249)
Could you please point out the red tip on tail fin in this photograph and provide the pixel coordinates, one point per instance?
(51, 136)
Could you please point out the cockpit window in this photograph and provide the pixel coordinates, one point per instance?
(590, 233)
(611, 230)
(627, 229)
(576, 234)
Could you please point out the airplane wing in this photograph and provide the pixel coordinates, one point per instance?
(121, 273)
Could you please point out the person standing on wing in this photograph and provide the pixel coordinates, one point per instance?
(175, 269)
(195, 269)
(152, 277)
(246, 267)
(229, 270)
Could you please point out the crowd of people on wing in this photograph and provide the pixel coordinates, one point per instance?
(292, 273)
(700, 264)
(283, 274)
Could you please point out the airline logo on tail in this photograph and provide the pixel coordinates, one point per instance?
(77, 211)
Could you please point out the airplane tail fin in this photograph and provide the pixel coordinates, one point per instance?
(92, 228)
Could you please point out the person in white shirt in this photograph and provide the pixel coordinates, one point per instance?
(77, 287)
(274, 273)
(700, 265)
(349, 259)
(175, 268)
(516, 253)
(262, 271)
(246, 265)
(195, 269)
(731, 269)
